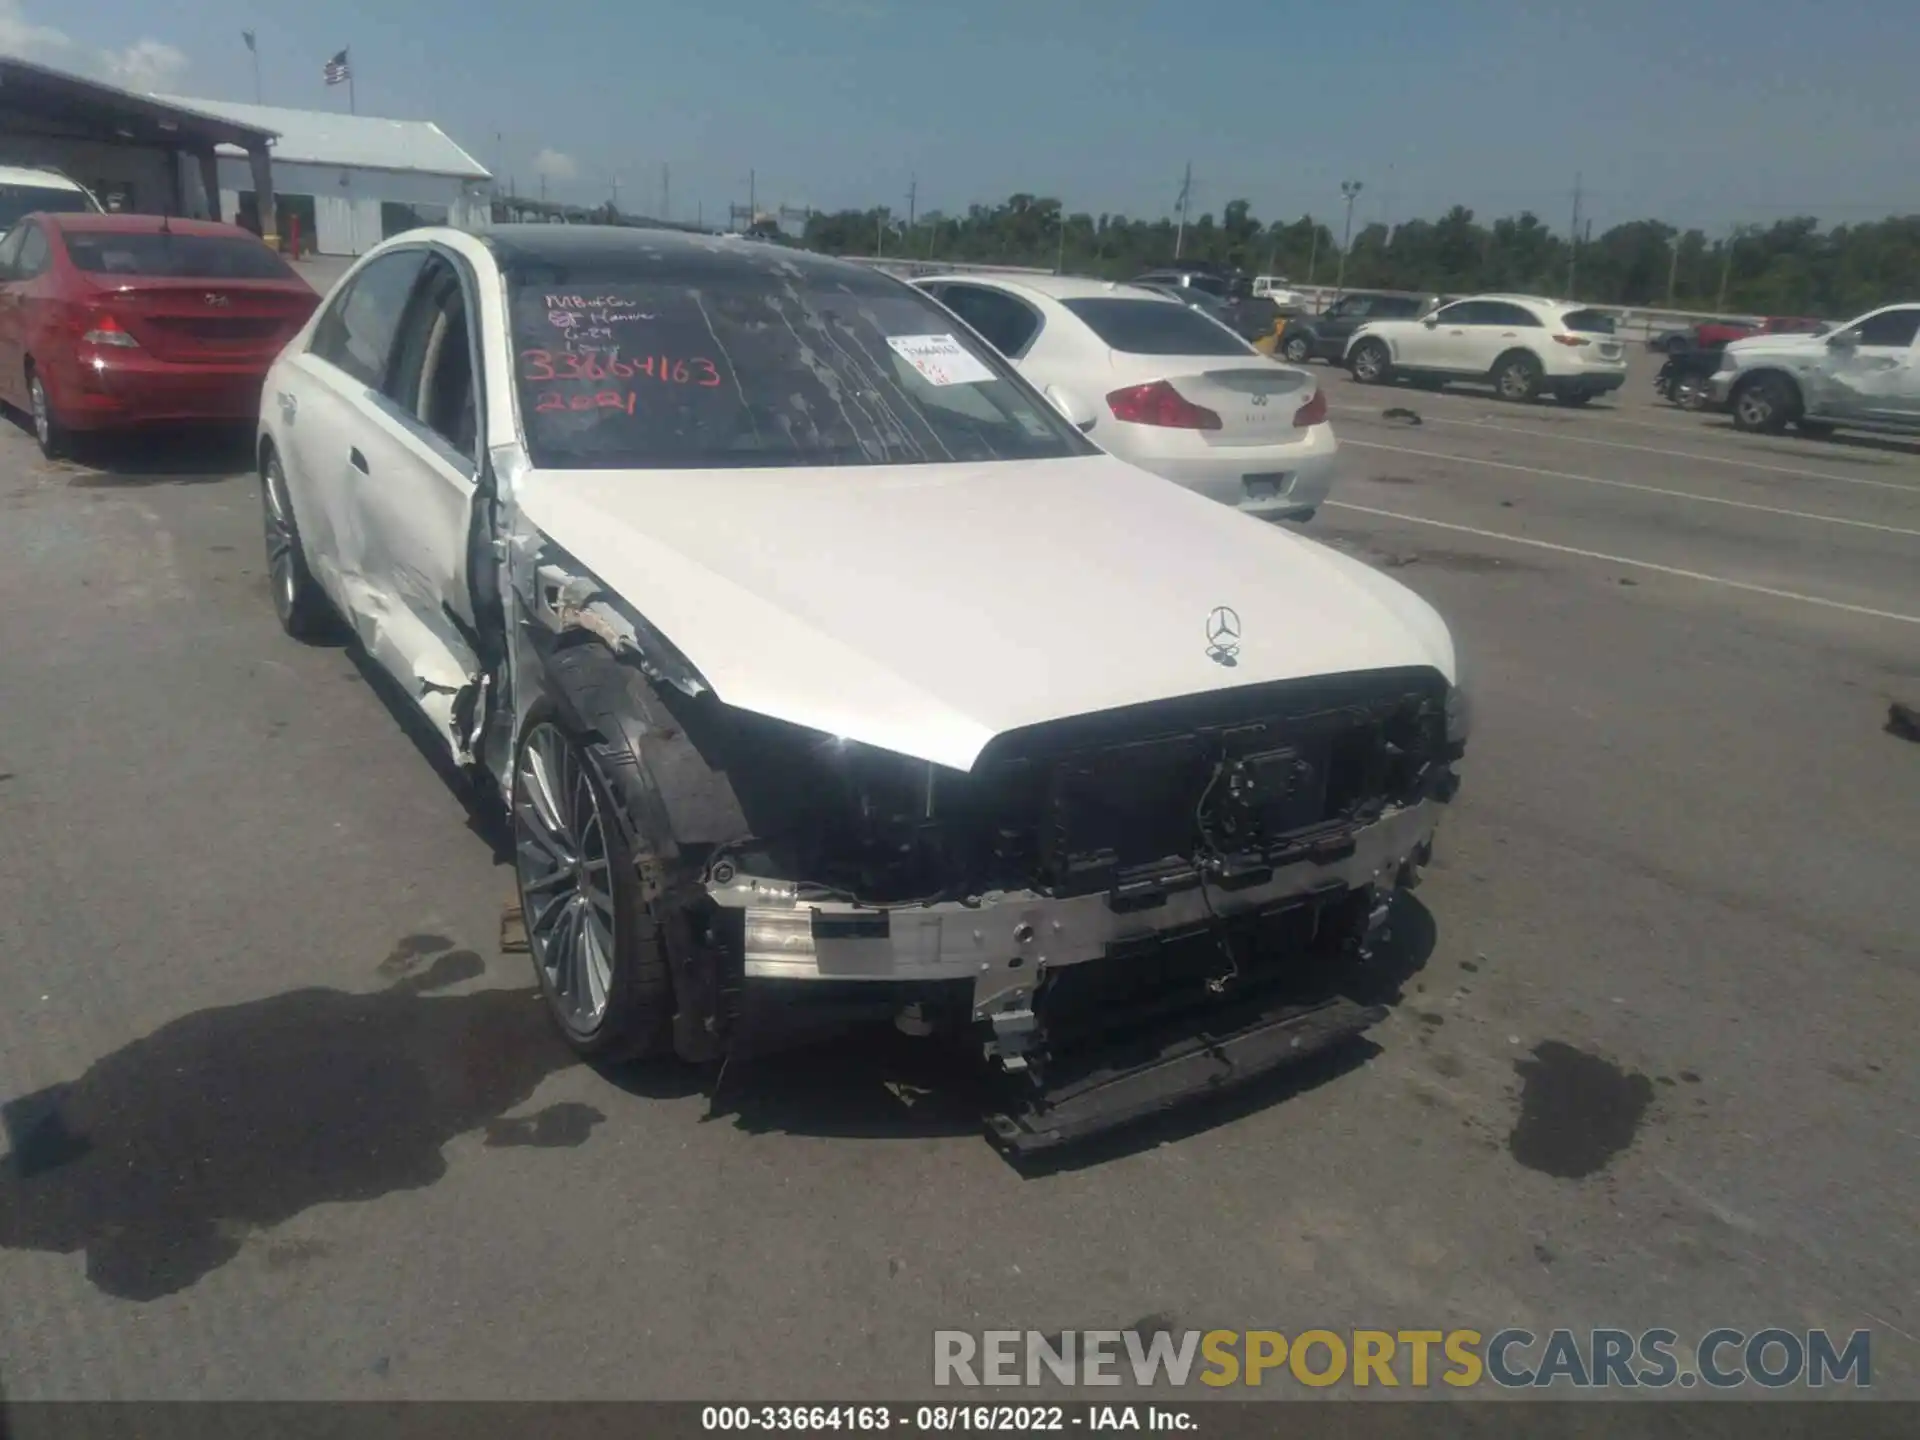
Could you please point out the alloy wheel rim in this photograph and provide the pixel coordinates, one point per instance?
(42, 417)
(1513, 380)
(1754, 408)
(1366, 364)
(279, 525)
(566, 877)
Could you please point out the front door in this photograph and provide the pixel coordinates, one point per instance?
(1870, 370)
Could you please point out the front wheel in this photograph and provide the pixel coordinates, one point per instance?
(598, 951)
(1763, 405)
(1517, 377)
(1297, 348)
(297, 597)
(1370, 364)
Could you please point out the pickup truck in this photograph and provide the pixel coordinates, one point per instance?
(1866, 375)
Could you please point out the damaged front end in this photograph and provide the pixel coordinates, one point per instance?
(1125, 908)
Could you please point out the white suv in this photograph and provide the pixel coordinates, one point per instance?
(28, 189)
(1523, 345)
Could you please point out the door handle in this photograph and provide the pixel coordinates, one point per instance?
(358, 461)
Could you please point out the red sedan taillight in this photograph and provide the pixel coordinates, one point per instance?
(1160, 404)
(103, 329)
(1314, 412)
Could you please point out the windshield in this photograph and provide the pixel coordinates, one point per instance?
(736, 364)
(19, 200)
(1153, 327)
(201, 257)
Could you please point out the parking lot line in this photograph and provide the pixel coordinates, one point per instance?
(1635, 485)
(1649, 450)
(1626, 560)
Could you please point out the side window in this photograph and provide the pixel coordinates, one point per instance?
(1462, 312)
(1498, 312)
(1889, 327)
(431, 377)
(33, 253)
(1002, 321)
(10, 255)
(356, 334)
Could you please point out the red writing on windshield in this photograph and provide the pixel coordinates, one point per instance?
(603, 400)
(550, 365)
(590, 302)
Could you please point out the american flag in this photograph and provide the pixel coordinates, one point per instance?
(336, 71)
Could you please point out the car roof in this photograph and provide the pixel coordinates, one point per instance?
(126, 223)
(678, 253)
(1058, 287)
(35, 175)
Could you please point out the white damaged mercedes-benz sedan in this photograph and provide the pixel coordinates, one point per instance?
(819, 662)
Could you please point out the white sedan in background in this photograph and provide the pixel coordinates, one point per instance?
(1159, 385)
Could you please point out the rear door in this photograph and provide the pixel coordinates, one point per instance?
(193, 299)
(1871, 374)
(1152, 340)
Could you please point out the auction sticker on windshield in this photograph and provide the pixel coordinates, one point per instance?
(940, 359)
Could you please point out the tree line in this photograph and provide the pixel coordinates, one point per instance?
(1791, 267)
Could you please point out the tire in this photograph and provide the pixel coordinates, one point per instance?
(1764, 405)
(303, 608)
(1814, 429)
(55, 440)
(1370, 364)
(1574, 397)
(1297, 349)
(599, 953)
(1516, 376)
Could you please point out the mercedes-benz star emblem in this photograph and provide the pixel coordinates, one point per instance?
(1223, 636)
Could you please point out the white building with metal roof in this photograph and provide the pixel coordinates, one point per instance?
(344, 183)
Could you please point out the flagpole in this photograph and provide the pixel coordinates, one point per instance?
(353, 107)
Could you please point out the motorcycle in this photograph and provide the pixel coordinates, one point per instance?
(1686, 379)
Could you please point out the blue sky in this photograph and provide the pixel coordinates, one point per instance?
(1705, 113)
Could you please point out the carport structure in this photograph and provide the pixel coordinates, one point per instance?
(87, 128)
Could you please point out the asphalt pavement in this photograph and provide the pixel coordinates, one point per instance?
(284, 1121)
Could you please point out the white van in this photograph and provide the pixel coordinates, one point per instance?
(27, 189)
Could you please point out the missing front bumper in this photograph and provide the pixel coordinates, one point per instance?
(1179, 1064)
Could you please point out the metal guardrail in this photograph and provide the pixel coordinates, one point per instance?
(1641, 322)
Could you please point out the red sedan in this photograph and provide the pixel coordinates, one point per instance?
(108, 321)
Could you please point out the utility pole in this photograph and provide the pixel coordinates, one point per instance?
(1186, 195)
(666, 190)
(1673, 268)
(616, 195)
(1351, 190)
(753, 208)
(1313, 248)
(543, 187)
(1060, 255)
(913, 195)
(1573, 236)
(1726, 270)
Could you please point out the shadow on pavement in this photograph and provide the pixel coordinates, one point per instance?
(165, 1155)
(158, 455)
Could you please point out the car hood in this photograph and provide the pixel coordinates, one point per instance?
(926, 609)
(1777, 344)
